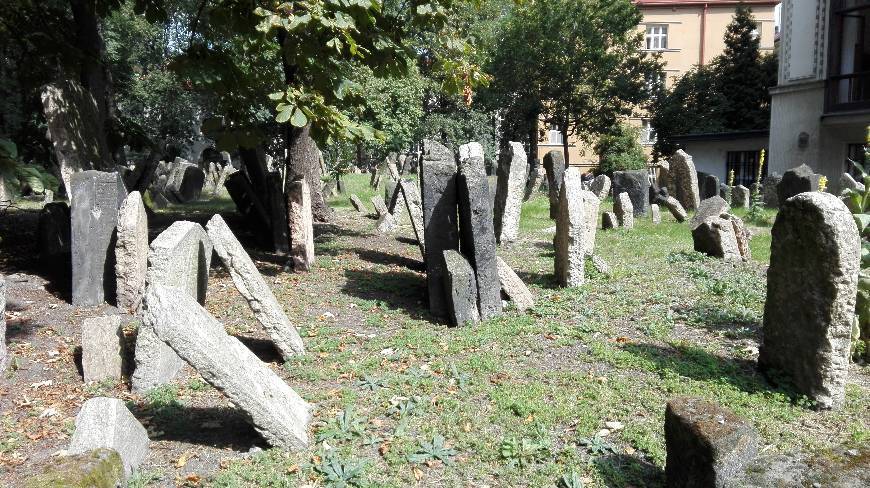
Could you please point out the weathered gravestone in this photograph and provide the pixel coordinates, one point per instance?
(415, 211)
(685, 178)
(131, 252)
(386, 223)
(847, 182)
(537, 177)
(769, 190)
(277, 412)
(675, 207)
(636, 185)
(812, 284)
(380, 206)
(97, 468)
(358, 204)
(254, 289)
(395, 200)
(180, 257)
(717, 236)
(707, 445)
(740, 196)
(509, 193)
(461, 288)
(438, 185)
(711, 207)
(571, 223)
(185, 181)
(375, 178)
(513, 287)
(476, 234)
(710, 187)
(554, 164)
(95, 198)
(624, 210)
(301, 224)
(107, 423)
(609, 221)
(796, 181)
(600, 186)
(102, 348)
(53, 234)
(4, 352)
(656, 213)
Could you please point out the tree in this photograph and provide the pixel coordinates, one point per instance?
(620, 150)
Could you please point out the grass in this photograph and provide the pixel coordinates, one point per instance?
(521, 400)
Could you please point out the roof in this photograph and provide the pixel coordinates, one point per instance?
(722, 136)
(700, 3)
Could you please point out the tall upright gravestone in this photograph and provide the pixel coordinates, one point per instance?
(512, 169)
(95, 198)
(685, 179)
(570, 225)
(301, 224)
(554, 163)
(636, 184)
(812, 285)
(131, 252)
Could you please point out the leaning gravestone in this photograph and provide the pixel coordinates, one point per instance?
(461, 288)
(301, 224)
(716, 237)
(711, 207)
(102, 348)
(740, 196)
(685, 177)
(277, 412)
(623, 208)
(847, 182)
(386, 223)
(254, 289)
(769, 190)
(438, 185)
(395, 200)
(131, 252)
(710, 187)
(415, 211)
(812, 284)
(476, 234)
(673, 205)
(4, 352)
(358, 204)
(600, 186)
(380, 206)
(554, 164)
(609, 221)
(95, 198)
(513, 287)
(796, 181)
(107, 423)
(656, 213)
(571, 223)
(636, 185)
(509, 193)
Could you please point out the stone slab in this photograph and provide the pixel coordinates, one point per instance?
(131, 252)
(636, 184)
(461, 289)
(301, 219)
(107, 423)
(624, 210)
(512, 286)
(102, 348)
(512, 175)
(440, 219)
(571, 222)
(554, 164)
(685, 178)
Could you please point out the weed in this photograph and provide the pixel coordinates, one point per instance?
(523, 452)
(436, 450)
(571, 480)
(596, 446)
(338, 472)
(344, 427)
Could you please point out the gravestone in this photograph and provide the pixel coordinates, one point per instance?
(184, 182)
(812, 284)
(849, 183)
(53, 235)
(440, 218)
(513, 287)
(600, 186)
(536, 178)
(740, 196)
(461, 288)
(769, 190)
(375, 178)
(386, 223)
(554, 164)
(82, 469)
(131, 252)
(624, 210)
(329, 189)
(277, 412)
(476, 234)
(102, 348)
(609, 221)
(254, 289)
(796, 181)
(591, 205)
(636, 185)
(685, 178)
(107, 423)
(415, 211)
(395, 201)
(358, 204)
(403, 159)
(509, 193)
(301, 224)
(656, 213)
(4, 351)
(711, 207)
(393, 170)
(600, 264)
(675, 207)
(571, 223)
(711, 187)
(707, 445)
(715, 236)
(95, 199)
(380, 206)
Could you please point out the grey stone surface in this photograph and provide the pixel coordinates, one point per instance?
(600, 186)
(53, 233)
(554, 165)
(707, 445)
(622, 207)
(740, 196)
(571, 222)
(97, 468)
(591, 205)
(710, 187)
(685, 178)
(386, 223)
(380, 206)
(301, 224)
(460, 286)
(636, 184)
(656, 213)
(796, 181)
(512, 286)
(609, 220)
(600, 264)
(812, 286)
(358, 204)
(769, 190)
(743, 236)
(107, 423)
(715, 237)
(415, 211)
(131, 252)
(374, 171)
(102, 348)
(711, 207)
(675, 207)
(276, 411)
(254, 289)
(95, 198)
(184, 181)
(512, 169)
(4, 351)
(476, 233)
(537, 176)
(848, 182)
(440, 219)
(393, 170)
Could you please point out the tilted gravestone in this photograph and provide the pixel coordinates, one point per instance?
(537, 177)
(95, 198)
(512, 169)
(636, 185)
(476, 234)
(131, 252)
(301, 224)
(380, 206)
(571, 223)
(107, 423)
(415, 211)
(847, 182)
(673, 205)
(386, 223)
(460, 286)
(609, 221)
(554, 164)
(395, 200)
(600, 186)
(685, 180)
(358, 204)
(276, 411)
(513, 287)
(796, 181)
(624, 210)
(440, 218)
(254, 289)
(711, 207)
(812, 284)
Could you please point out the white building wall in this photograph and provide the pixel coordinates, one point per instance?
(710, 156)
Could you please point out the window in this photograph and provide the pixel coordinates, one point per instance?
(756, 33)
(656, 37)
(745, 166)
(647, 133)
(554, 135)
(857, 153)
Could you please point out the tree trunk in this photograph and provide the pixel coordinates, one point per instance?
(563, 128)
(533, 140)
(303, 159)
(94, 73)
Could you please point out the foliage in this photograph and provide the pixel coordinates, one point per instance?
(433, 451)
(344, 427)
(523, 452)
(620, 150)
(570, 481)
(338, 472)
(21, 178)
(756, 202)
(859, 203)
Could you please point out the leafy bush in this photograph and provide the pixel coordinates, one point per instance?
(859, 203)
(620, 150)
(20, 178)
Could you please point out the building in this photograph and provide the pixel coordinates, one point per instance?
(720, 153)
(685, 33)
(821, 106)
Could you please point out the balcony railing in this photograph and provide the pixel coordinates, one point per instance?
(848, 92)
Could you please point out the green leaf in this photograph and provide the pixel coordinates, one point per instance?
(863, 220)
(299, 119)
(284, 115)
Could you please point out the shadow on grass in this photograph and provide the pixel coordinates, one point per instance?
(543, 280)
(220, 427)
(379, 257)
(620, 470)
(722, 319)
(264, 349)
(402, 290)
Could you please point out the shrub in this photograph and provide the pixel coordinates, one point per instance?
(620, 150)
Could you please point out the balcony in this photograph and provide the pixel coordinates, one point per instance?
(848, 92)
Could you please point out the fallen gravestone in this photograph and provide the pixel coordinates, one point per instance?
(675, 207)
(571, 223)
(796, 181)
(277, 412)
(636, 185)
(740, 196)
(461, 288)
(97, 468)
(301, 224)
(711, 207)
(554, 164)
(107, 423)
(707, 445)
(600, 186)
(847, 182)
(609, 221)
(513, 287)
(812, 284)
(622, 207)
(95, 197)
(685, 177)
(476, 234)
(131, 252)
(509, 193)
(102, 348)
(656, 213)
(358, 204)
